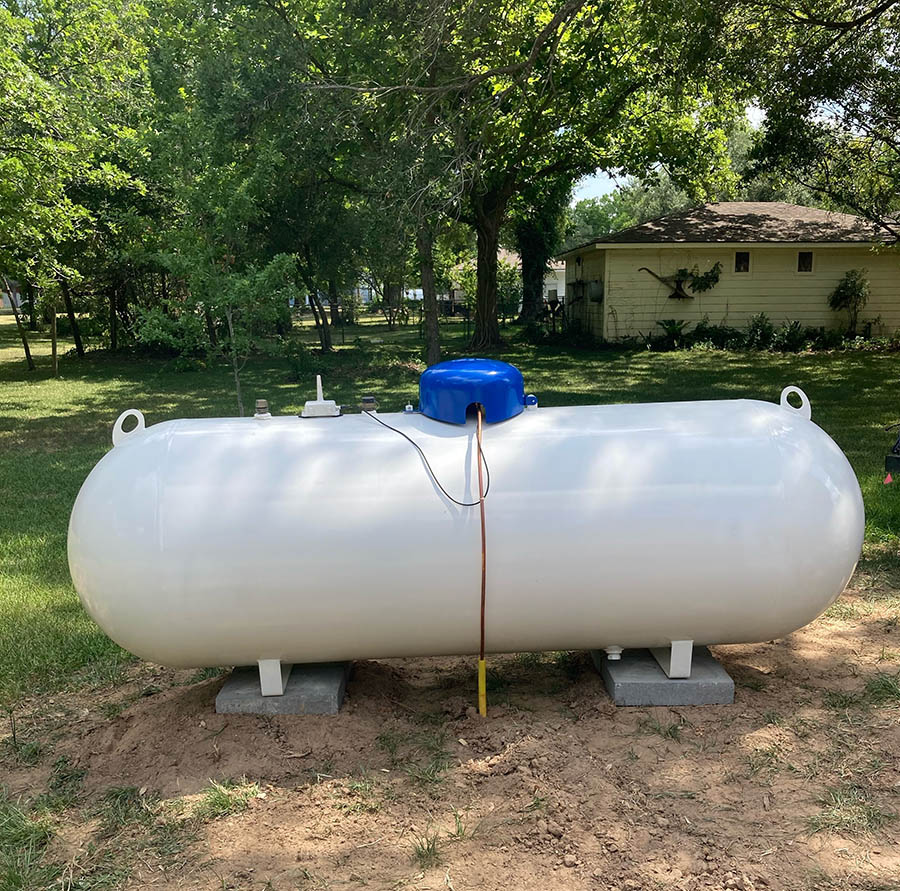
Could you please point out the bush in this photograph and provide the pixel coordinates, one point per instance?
(851, 295)
(673, 333)
(722, 337)
(760, 333)
(183, 335)
(792, 337)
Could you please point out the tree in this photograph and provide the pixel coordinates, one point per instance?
(65, 119)
(659, 193)
(520, 95)
(851, 295)
(831, 104)
(538, 219)
(595, 217)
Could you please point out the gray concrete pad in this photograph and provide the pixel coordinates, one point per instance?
(316, 688)
(637, 679)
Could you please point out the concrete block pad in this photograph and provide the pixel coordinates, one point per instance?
(316, 688)
(637, 679)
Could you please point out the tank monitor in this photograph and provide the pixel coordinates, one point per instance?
(320, 407)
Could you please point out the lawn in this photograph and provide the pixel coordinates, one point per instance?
(52, 432)
(123, 776)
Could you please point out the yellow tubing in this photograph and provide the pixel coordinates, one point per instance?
(482, 689)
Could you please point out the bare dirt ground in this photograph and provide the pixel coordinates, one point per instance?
(792, 787)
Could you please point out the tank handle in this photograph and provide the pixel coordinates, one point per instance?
(805, 409)
(119, 435)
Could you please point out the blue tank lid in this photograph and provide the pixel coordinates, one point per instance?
(446, 390)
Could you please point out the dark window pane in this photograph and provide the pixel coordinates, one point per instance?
(742, 261)
(804, 261)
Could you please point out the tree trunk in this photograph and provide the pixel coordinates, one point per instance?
(333, 303)
(234, 362)
(32, 307)
(53, 347)
(113, 320)
(70, 312)
(210, 328)
(19, 325)
(425, 246)
(534, 266)
(488, 212)
(320, 318)
(321, 322)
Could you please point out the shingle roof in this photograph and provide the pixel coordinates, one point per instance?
(750, 222)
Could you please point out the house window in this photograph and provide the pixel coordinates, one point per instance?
(804, 261)
(742, 261)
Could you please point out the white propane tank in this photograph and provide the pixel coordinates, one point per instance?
(223, 542)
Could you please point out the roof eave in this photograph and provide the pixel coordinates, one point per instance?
(604, 245)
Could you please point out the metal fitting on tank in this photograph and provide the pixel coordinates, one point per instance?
(368, 404)
(613, 653)
(262, 409)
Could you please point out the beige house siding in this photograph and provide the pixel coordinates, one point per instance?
(634, 301)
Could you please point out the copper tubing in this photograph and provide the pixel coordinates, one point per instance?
(483, 537)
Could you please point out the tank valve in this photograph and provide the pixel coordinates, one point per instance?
(409, 409)
(262, 410)
(368, 404)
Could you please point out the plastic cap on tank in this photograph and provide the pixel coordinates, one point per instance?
(446, 390)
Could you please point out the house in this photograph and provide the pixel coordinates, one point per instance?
(13, 295)
(780, 259)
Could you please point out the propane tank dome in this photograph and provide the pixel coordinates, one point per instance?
(446, 390)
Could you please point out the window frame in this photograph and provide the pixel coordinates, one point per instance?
(742, 271)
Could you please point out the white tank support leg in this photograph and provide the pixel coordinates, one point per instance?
(675, 660)
(614, 653)
(273, 676)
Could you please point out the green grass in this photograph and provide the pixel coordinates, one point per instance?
(23, 841)
(847, 809)
(52, 432)
(426, 852)
(224, 799)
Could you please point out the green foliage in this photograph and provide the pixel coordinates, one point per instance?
(790, 337)
(509, 290)
(720, 336)
(850, 296)
(660, 192)
(705, 281)
(846, 62)
(673, 332)
(760, 333)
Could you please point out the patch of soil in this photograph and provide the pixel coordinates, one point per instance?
(557, 788)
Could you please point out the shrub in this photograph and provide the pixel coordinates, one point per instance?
(826, 339)
(708, 336)
(760, 333)
(851, 294)
(792, 337)
(673, 332)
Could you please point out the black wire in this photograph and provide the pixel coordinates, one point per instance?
(418, 448)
